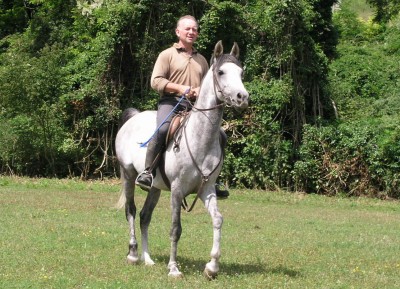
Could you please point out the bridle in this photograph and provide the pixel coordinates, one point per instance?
(216, 85)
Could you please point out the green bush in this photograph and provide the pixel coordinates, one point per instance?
(353, 159)
(258, 155)
(334, 160)
(359, 154)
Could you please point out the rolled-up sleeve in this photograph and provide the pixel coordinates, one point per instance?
(160, 75)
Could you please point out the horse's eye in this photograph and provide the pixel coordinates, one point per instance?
(220, 72)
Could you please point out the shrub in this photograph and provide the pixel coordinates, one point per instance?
(258, 155)
(349, 158)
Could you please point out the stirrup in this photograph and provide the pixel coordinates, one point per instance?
(143, 186)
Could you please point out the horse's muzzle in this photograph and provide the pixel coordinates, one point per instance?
(241, 101)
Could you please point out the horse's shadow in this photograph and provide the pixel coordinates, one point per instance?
(192, 266)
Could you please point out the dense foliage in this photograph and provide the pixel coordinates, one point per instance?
(359, 153)
(322, 117)
(385, 9)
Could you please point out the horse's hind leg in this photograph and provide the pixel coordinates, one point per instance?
(145, 217)
(210, 203)
(128, 189)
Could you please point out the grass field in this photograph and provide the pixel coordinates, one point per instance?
(66, 234)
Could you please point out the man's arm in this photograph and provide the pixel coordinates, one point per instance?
(179, 89)
(161, 83)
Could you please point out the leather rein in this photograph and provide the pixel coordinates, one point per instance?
(204, 177)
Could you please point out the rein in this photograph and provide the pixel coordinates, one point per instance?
(204, 178)
(220, 104)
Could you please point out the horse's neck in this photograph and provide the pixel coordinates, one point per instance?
(206, 117)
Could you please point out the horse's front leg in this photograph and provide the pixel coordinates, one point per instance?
(210, 202)
(175, 234)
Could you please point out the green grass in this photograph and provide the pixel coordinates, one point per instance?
(66, 234)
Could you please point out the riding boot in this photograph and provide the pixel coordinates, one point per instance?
(145, 179)
(221, 193)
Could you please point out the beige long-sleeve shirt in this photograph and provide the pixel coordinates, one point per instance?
(174, 65)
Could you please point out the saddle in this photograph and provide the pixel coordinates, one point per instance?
(175, 125)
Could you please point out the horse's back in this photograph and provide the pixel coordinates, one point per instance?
(136, 131)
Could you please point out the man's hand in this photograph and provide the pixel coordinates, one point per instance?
(191, 93)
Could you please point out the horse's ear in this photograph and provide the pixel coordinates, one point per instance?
(235, 50)
(219, 49)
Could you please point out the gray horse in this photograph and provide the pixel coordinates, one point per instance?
(191, 166)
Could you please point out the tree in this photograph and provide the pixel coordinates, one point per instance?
(385, 9)
(14, 16)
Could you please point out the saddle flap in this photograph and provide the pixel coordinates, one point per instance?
(176, 123)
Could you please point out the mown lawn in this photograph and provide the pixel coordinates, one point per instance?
(67, 234)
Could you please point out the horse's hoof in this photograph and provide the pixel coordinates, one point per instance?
(174, 272)
(175, 275)
(147, 260)
(132, 260)
(209, 274)
(149, 263)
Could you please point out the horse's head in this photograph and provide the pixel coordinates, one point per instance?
(227, 75)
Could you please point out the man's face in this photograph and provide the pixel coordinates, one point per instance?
(187, 31)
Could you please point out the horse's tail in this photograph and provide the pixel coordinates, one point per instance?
(122, 197)
(126, 115)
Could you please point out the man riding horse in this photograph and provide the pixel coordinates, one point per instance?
(178, 71)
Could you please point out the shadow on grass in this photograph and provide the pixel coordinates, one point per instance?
(190, 266)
